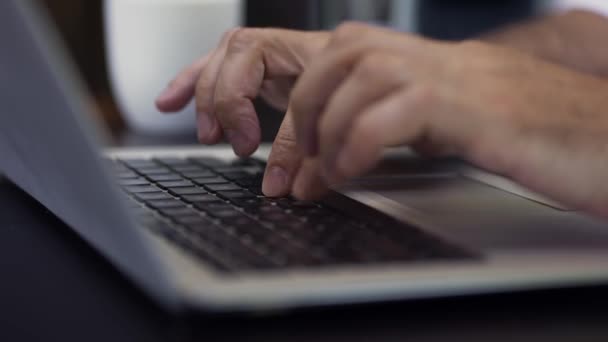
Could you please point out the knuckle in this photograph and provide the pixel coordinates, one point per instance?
(244, 38)
(246, 113)
(249, 121)
(229, 33)
(204, 83)
(286, 137)
(369, 66)
(283, 147)
(233, 112)
(202, 106)
(347, 32)
(222, 104)
(475, 52)
(423, 95)
(472, 44)
(394, 63)
(381, 67)
(202, 98)
(240, 35)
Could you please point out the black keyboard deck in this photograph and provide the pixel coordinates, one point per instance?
(216, 211)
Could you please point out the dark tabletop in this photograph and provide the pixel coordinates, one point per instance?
(54, 287)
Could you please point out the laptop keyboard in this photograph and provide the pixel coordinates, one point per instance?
(215, 210)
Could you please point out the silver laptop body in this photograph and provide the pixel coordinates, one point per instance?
(49, 147)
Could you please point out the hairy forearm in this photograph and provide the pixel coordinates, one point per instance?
(576, 39)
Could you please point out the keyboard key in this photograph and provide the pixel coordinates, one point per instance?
(313, 213)
(172, 161)
(179, 212)
(274, 217)
(135, 181)
(247, 202)
(228, 169)
(227, 213)
(199, 174)
(176, 184)
(154, 171)
(216, 206)
(188, 168)
(236, 195)
(187, 191)
(240, 221)
(204, 198)
(302, 204)
(237, 175)
(222, 187)
(245, 162)
(264, 208)
(210, 180)
(165, 177)
(256, 189)
(153, 196)
(138, 189)
(209, 162)
(191, 220)
(245, 183)
(165, 204)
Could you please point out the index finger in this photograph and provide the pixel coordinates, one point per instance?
(318, 83)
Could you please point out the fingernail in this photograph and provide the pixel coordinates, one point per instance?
(205, 126)
(275, 182)
(238, 140)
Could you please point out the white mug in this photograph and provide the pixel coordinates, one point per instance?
(598, 6)
(149, 42)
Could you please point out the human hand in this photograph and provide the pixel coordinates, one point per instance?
(508, 112)
(247, 63)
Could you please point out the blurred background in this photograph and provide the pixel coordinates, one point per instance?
(81, 24)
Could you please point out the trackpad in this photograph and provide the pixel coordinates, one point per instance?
(481, 216)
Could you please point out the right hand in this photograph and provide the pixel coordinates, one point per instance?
(248, 63)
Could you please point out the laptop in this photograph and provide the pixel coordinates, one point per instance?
(191, 228)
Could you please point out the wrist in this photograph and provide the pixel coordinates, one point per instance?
(539, 37)
(573, 39)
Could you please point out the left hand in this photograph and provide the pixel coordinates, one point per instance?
(505, 111)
